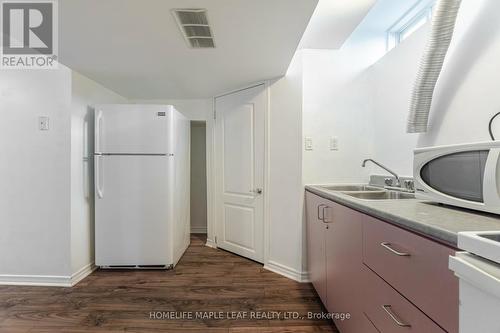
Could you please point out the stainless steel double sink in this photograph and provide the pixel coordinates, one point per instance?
(368, 192)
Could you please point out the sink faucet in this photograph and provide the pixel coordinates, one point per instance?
(398, 182)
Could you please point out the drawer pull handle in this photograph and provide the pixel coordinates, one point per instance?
(388, 310)
(388, 247)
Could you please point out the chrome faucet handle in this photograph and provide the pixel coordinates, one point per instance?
(388, 181)
(409, 184)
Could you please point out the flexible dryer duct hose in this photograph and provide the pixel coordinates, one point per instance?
(443, 25)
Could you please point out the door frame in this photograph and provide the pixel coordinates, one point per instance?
(212, 203)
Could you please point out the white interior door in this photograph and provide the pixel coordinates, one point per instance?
(240, 140)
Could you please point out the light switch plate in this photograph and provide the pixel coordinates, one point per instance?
(43, 123)
(334, 143)
(308, 143)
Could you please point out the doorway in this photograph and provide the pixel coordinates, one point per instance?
(198, 178)
(240, 137)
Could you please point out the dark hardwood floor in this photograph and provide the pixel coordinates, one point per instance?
(204, 280)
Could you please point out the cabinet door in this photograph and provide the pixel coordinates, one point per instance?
(344, 257)
(316, 244)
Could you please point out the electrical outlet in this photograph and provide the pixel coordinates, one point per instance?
(308, 143)
(43, 123)
(334, 143)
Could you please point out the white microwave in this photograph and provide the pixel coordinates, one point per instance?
(466, 175)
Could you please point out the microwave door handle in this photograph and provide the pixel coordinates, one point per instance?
(491, 179)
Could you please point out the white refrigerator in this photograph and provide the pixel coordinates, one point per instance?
(141, 177)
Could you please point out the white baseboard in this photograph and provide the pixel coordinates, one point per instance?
(286, 271)
(35, 280)
(211, 243)
(82, 273)
(47, 280)
(198, 230)
(306, 278)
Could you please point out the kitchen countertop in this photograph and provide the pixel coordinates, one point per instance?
(435, 221)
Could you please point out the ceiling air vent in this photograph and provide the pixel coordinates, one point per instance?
(194, 27)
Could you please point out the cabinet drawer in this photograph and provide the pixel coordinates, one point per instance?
(416, 267)
(390, 312)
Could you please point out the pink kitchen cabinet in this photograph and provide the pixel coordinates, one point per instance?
(380, 274)
(392, 313)
(344, 256)
(316, 255)
(416, 267)
(367, 326)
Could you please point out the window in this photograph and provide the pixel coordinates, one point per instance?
(411, 21)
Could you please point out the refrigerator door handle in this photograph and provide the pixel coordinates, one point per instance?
(98, 176)
(98, 132)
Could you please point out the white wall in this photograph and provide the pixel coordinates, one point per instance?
(342, 98)
(46, 216)
(368, 107)
(286, 193)
(198, 178)
(338, 99)
(392, 81)
(85, 94)
(35, 173)
(466, 95)
(318, 98)
(336, 103)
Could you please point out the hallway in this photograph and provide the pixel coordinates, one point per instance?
(213, 282)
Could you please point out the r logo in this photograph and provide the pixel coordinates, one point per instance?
(27, 28)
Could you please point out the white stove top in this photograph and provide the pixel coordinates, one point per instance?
(484, 244)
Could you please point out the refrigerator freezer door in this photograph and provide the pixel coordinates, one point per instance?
(132, 210)
(132, 129)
